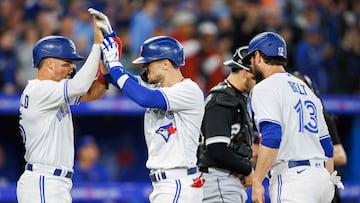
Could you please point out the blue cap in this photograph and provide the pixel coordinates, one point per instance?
(85, 140)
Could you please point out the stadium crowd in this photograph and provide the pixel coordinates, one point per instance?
(323, 36)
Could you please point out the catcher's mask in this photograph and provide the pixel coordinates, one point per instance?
(236, 61)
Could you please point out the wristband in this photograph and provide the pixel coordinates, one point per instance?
(101, 79)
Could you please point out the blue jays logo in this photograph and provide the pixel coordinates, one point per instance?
(62, 112)
(166, 130)
(281, 51)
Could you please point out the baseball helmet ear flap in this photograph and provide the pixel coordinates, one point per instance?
(236, 61)
(54, 46)
(268, 43)
(161, 47)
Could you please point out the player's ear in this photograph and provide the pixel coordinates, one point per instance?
(49, 63)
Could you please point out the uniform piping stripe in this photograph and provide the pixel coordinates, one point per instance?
(178, 190)
(77, 100)
(166, 99)
(279, 188)
(42, 190)
(270, 120)
(66, 92)
(217, 139)
(324, 137)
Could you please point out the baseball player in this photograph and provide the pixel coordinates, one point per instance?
(225, 155)
(340, 157)
(295, 146)
(45, 117)
(174, 111)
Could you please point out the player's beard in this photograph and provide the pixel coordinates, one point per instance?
(259, 76)
(154, 79)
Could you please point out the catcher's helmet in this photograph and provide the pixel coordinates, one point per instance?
(161, 47)
(56, 47)
(268, 43)
(236, 62)
(307, 81)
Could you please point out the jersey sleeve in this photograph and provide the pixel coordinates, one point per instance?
(265, 104)
(213, 128)
(183, 96)
(51, 94)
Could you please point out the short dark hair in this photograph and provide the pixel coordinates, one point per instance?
(274, 60)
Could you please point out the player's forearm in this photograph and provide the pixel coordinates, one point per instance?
(222, 155)
(82, 81)
(143, 96)
(96, 91)
(266, 158)
(340, 158)
(330, 165)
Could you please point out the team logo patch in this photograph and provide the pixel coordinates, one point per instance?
(166, 130)
(281, 51)
(62, 112)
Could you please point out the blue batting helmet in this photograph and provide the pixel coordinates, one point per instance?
(161, 47)
(56, 47)
(268, 43)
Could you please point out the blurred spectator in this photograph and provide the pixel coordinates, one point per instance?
(47, 23)
(122, 13)
(66, 27)
(349, 62)
(184, 31)
(33, 8)
(205, 11)
(83, 27)
(26, 42)
(87, 168)
(311, 56)
(8, 61)
(211, 61)
(143, 24)
(245, 19)
(6, 8)
(7, 171)
(165, 24)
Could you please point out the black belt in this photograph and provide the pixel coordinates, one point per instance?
(204, 169)
(57, 172)
(154, 177)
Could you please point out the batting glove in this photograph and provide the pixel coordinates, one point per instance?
(336, 180)
(111, 57)
(104, 23)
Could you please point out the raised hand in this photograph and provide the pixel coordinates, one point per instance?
(103, 22)
(110, 52)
